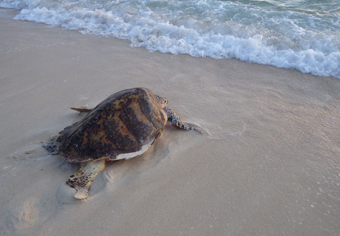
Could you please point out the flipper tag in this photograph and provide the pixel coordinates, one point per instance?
(173, 120)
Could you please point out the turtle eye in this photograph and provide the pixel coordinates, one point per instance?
(163, 102)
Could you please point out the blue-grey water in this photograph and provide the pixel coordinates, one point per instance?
(300, 34)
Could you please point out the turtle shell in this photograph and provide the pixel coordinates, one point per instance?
(123, 123)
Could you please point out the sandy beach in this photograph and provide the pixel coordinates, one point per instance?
(270, 165)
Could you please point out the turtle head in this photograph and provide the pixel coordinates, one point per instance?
(162, 101)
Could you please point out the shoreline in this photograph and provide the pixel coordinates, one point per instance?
(269, 167)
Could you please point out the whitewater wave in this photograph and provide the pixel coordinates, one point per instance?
(216, 29)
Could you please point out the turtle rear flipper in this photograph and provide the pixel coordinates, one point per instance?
(81, 109)
(51, 147)
(83, 179)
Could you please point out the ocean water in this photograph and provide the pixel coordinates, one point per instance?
(296, 34)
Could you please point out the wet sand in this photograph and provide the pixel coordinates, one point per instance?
(269, 167)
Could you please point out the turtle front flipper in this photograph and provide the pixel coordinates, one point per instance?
(197, 128)
(83, 179)
(187, 126)
(175, 120)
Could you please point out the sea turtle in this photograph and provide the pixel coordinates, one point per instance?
(122, 126)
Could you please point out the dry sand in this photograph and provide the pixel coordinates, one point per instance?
(269, 167)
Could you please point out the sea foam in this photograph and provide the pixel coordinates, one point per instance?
(217, 29)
